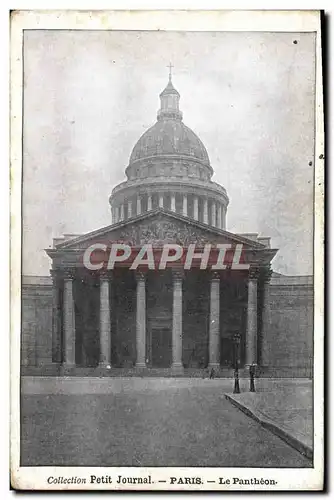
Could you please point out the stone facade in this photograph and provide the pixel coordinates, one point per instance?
(285, 338)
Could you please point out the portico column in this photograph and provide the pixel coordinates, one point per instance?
(129, 209)
(214, 330)
(141, 321)
(195, 207)
(104, 321)
(205, 211)
(69, 320)
(138, 205)
(266, 341)
(161, 200)
(172, 203)
(219, 216)
(177, 365)
(149, 202)
(56, 341)
(251, 333)
(213, 213)
(185, 205)
(116, 211)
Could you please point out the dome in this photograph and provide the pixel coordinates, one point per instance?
(169, 168)
(169, 137)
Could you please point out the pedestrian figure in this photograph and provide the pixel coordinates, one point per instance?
(212, 373)
(252, 375)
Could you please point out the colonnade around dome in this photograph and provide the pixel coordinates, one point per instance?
(200, 208)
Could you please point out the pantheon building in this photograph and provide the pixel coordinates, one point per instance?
(173, 321)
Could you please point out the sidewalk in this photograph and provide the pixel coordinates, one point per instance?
(284, 407)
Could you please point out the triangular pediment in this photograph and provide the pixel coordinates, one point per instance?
(158, 227)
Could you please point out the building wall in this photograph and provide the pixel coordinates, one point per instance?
(286, 339)
(288, 331)
(36, 347)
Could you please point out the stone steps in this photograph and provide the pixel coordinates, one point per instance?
(55, 370)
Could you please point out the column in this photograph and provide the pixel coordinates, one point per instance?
(56, 327)
(129, 209)
(213, 213)
(161, 200)
(205, 211)
(141, 321)
(149, 202)
(214, 330)
(266, 341)
(195, 207)
(105, 346)
(138, 205)
(112, 215)
(116, 211)
(177, 365)
(219, 216)
(69, 320)
(172, 203)
(223, 217)
(121, 217)
(251, 333)
(185, 205)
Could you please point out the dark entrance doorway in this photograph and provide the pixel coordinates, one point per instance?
(226, 352)
(161, 347)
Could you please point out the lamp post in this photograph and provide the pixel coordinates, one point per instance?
(236, 344)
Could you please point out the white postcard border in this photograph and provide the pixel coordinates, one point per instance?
(294, 21)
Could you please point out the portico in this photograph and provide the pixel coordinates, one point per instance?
(142, 319)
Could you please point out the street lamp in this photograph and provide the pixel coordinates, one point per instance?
(236, 345)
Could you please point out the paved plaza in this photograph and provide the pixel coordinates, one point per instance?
(286, 408)
(144, 422)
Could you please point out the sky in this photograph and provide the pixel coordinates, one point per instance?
(89, 95)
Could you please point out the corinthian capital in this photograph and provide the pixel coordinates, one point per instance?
(69, 273)
(105, 275)
(178, 274)
(140, 276)
(254, 273)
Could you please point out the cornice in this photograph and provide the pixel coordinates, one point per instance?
(169, 157)
(167, 183)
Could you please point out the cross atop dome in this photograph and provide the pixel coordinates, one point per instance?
(170, 66)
